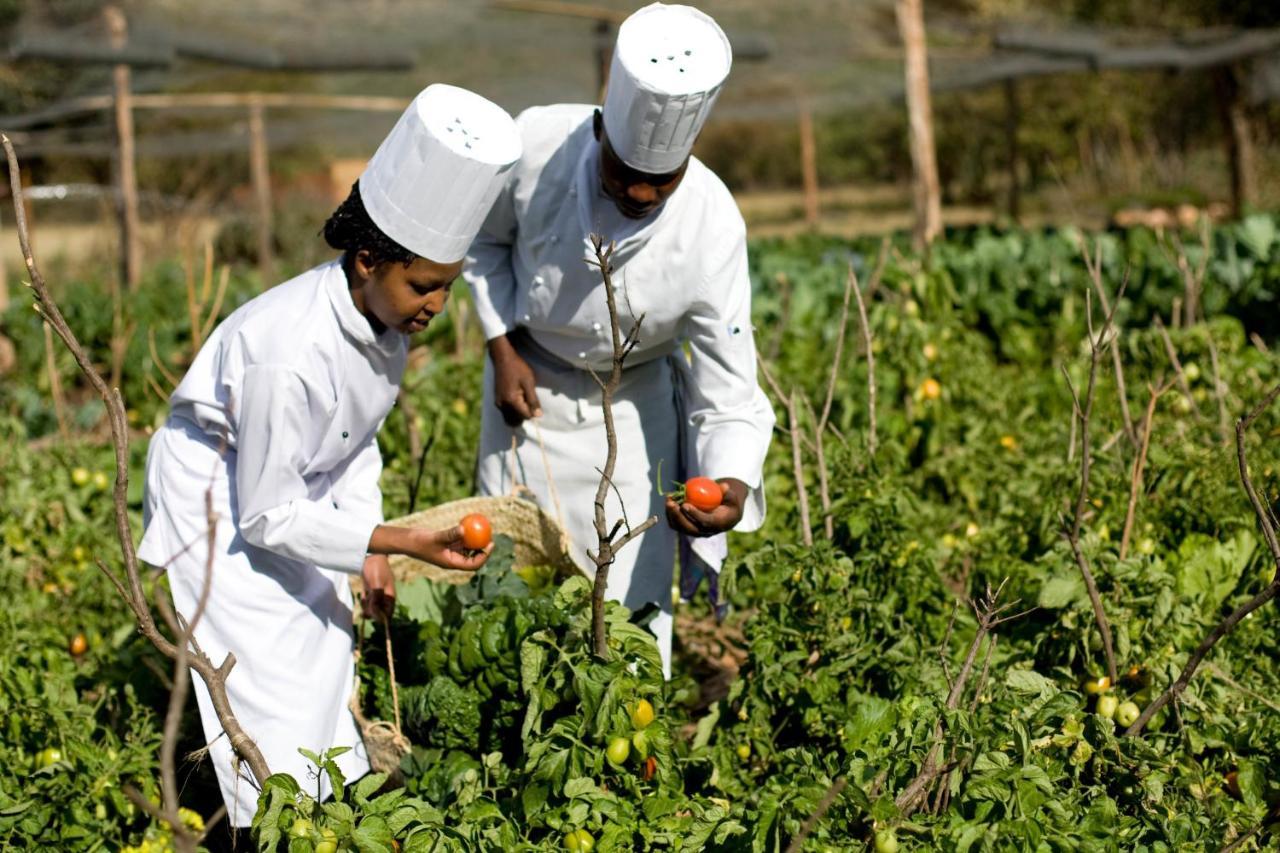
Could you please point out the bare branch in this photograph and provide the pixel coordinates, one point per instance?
(797, 461)
(1269, 592)
(136, 597)
(1177, 366)
(604, 556)
(865, 326)
(1139, 463)
(828, 800)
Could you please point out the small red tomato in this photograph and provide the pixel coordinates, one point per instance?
(476, 532)
(704, 493)
(649, 769)
(78, 645)
(1232, 781)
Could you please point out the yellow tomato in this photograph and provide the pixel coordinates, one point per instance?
(930, 389)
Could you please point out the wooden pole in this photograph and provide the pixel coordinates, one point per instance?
(261, 173)
(604, 55)
(1237, 138)
(926, 192)
(808, 164)
(126, 176)
(1012, 118)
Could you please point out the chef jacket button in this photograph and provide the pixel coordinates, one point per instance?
(582, 356)
(538, 281)
(525, 318)
(335, 504)
(555, 238)
(596, 327)
(344, 433)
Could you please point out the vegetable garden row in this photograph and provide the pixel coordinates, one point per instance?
(911, 657)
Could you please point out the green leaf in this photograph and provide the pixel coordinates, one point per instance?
(1029, 682)
(1250, 780)
(1059, 592)
(706, 725)
(421, 600)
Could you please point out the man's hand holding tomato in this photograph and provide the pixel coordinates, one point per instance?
(686, 518)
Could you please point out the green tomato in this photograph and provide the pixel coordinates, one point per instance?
(1147, 546)
(586, 841)
(48, 757)
(100, 811)
(1127, 714)
(618, 750)
(80, 476)
(886, 841)
(744, 751)
(100, 481)
(1107, 705)
(301, 828)
(570, 840)
(329, 842)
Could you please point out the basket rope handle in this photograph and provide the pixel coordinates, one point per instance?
(391, 670)
(517, 486)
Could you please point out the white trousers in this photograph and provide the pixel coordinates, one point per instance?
(572, 434)
(287, 623)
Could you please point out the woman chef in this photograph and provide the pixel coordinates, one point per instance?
(625, 172)
(278, 419)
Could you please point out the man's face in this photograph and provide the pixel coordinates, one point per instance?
(407, 298)
(636, 194)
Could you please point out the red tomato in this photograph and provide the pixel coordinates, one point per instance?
(476, 532)
(650, 768)
(704, 493)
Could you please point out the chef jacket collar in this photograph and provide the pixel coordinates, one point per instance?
(354, 324)
(587, 185)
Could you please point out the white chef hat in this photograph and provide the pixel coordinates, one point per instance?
(433, 179)
(668, 67)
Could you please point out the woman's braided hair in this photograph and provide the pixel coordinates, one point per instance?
(350, 229)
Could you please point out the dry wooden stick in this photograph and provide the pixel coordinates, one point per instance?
(609, 544)
(828, 800)
(1083, 414)
(1094, 266)
(865, 326)
(55, 385)
(797, 460)
(1139, 463)
(215, 677)
(990, 613)
(1177, 366)
(1269, 592)
(1219, 390)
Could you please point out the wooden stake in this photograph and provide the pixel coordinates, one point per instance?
(1239, 142)
(808, 163)
(261, 173)
(1012, 116)
(926, 192)
(126, 174)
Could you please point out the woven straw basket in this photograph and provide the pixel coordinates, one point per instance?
(539, 540)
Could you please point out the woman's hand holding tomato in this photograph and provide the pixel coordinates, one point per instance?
(448, 549)
(686, 518)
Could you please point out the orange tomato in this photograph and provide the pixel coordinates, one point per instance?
(78, 645)
(476, 532)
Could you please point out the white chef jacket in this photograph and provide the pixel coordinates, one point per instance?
(684, 268)
(277, 419)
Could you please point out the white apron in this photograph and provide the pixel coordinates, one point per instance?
(572, 433)
(287, 623)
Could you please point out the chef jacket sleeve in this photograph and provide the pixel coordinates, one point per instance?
(730, 418)
(277, 510)
(488, 268)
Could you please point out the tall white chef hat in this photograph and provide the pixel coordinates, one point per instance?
(433, 179)
(668, 67)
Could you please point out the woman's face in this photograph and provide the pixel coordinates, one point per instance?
(404, 298)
